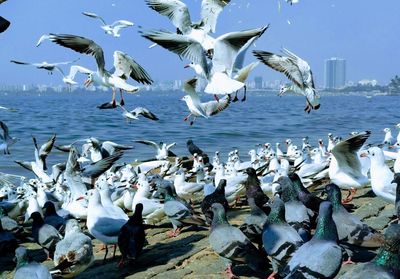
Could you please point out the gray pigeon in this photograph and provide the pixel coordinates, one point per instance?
(350, 228)
(8, 243)
(74, 253)
(26, 269)
(231, 244)
(45, 235)
(321, 257)
(280, 240)
(386, 264)
(179, 212)
(253, 223)
(296, 213)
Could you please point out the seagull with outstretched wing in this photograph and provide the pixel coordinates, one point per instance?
(111, 29)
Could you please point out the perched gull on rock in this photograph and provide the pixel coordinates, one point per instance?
(111, 29)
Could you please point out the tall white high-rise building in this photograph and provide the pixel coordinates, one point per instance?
(335, 73)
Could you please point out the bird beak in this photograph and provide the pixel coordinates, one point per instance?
(80, 198)
(186, 66)
(364, 154)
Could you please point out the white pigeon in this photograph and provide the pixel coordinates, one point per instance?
(381, 175)
(297, 70)
(345, 167)
(111, 29)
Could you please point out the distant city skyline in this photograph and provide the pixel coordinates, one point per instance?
(335, 73)
(362, 32)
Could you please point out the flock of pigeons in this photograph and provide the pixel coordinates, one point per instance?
(289, 230)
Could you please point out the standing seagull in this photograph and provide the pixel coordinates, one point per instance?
(124, 65)
(111, 29)
(197, 108)
(5, 140)
(297, 70)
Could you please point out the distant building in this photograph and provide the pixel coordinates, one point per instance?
(335, 73)
(258, 82)
(368, 82)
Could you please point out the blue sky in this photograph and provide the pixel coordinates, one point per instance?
(365, 33)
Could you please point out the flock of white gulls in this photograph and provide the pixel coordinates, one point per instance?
(289, 232)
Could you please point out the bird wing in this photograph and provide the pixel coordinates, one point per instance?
(66, 62)
(118, 24)
(228, 46)
(93, 15)
(148, 142)
(78, 69)
(125, 66)
(6, 134)
(210, 10)
(96, 169)
(4, 24)
(281, 64)
(303, 67)
(81, 45)
(175, 10)
(345, 152)
(182, 45)
(72, 163)
(20, 62)
(213, 107)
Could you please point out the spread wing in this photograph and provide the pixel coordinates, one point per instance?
(125, 66)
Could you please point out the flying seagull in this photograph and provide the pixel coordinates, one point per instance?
(295, 69)
(124, 65)
(111, 29)
(135, 113)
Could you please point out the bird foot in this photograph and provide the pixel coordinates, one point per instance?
(350, 196)
(349, 261)
(272, 275)
(191, 123)
(122, 102)
(113, 104)
(186, 119)
(244, 99)
(174, 233)
(235, 99)
(121, 263)
(228, 271)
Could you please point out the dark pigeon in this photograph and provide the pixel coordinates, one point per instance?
(280, 240)
(321, 257)
(194, 149)
(397, 201)
(308, 199)
(132, 237)
(386, 264)
(231, 244)
(218, 196)
(8, 243)
(253, 189)
(253, 223)
(51, 217)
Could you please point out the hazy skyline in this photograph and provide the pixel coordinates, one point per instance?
(362, 32)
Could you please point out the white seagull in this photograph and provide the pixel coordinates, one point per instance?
(111, 29)
(345, 168)
(163, 149)
(50, 67)
(297, 70)
(125, 66)
(178, 13)
(135, 113)
(197, 108)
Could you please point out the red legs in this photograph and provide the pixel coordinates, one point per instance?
(349, 261)
(121, 263)
(350, 196)
(228, 271)
(174, 233)
(272, 275)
